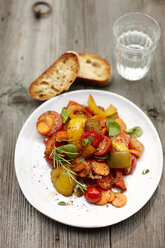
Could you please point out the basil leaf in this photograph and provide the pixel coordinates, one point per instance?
(135, 131)
(113, 127)
(69, 149)
(64, 115)
(145, 171)
(62, 203)
(87, 141)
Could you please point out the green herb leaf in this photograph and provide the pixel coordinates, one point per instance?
(144, 172)
(64, 115)
(69, 149)
(81, 159)
(113, 127)
(122, 191)
(135, 131)
(78, 192)
(62, 203)
(87, 141)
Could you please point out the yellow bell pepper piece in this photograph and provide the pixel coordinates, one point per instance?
(119, 147)
(75, 129)
(97, 111)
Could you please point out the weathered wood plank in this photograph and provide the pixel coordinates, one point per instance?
(27, 47)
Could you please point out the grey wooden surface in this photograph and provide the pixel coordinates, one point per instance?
(27, 47)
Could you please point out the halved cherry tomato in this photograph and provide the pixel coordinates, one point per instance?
(103, 147)
(105, 183)
(123, 138)
(49, 160)
(92, 194)
(96, 137)
(118, 181)
(136, 144)
(135, 152)
(129, 171)
(48, 123)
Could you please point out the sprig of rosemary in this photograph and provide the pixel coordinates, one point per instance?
(59, 160)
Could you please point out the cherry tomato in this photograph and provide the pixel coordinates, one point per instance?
(118, 181)
(49, 160)
(129, 171)
(103, 147)
(136, 144)
(92, 194)
(105, 183)
(123, 138)
(96, 137)
(54, 119)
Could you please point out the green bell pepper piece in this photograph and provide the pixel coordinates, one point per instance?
(119, 160)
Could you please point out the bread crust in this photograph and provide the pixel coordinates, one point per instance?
(99, 81)
(47, 86)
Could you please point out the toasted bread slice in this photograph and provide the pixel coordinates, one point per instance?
(57, 78)
(94, 69)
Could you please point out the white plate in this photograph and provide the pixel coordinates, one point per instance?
(33, 173)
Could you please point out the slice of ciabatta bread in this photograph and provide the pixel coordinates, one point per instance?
(94, 69)
(57, 78)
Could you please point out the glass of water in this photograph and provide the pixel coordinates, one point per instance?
(136, 36)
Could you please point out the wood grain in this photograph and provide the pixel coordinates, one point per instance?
(27, 47)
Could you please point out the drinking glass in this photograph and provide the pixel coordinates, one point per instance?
(135, 36)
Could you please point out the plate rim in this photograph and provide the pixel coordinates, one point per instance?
(89, 91)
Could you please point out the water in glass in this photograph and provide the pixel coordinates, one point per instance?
(133, 65)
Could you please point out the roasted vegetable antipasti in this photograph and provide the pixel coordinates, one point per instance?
(90, 150)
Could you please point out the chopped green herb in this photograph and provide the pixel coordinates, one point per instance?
(78, 190)
(87, 141)
(144, 172)
(90, 175)
(62, 203)
(135, 132)
(64, 115)
(113, 127)
(81, 159)
(122, 191)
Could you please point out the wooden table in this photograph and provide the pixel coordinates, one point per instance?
(27, 47)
